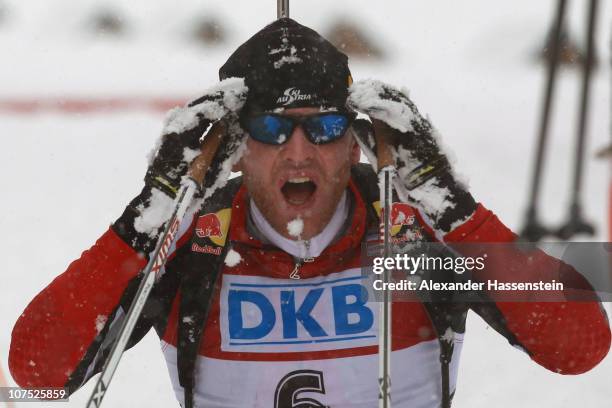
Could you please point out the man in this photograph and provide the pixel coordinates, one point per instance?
(262, 302)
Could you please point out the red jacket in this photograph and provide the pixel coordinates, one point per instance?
(56, 332)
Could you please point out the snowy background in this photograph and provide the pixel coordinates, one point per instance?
(469, 65)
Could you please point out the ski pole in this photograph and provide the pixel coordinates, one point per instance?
(533, 230)
(282, 8)
(158, 258)
(576, 224)
(386, 172)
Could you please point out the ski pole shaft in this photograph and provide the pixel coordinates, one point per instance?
(584, 103)
(532, 229)
(149, 275)
(385, 178)
(282, 8)
(553, 64)
(575, 223)
(158, 258)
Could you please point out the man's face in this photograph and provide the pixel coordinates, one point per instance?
(298, 179)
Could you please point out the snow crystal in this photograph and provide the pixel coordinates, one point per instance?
(100, 322)
(460, 222)
(232, 258)
(31, 363)
(295, 227)
(287, 60)
(190, 154)
(433, 199)
(179, 120)
(154, 214)
(365, 96)
(448, 336)
(461, 178)
(188, 319)
(410, 163)
(292, 58)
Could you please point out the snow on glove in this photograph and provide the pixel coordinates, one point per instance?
(426, 178)
(178, 146)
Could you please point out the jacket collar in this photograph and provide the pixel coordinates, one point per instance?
(336, 255)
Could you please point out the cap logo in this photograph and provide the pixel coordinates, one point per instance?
(291, 95)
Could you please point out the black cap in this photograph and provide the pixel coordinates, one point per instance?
(288, 65)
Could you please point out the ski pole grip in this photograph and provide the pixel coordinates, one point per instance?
(384, 154)
(199, 166)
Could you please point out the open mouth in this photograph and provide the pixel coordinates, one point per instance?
(298, 190)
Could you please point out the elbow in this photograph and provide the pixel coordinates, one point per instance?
(33, 362)
(581, 356)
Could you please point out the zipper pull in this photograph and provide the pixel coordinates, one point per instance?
(295, 273)
(306, 257)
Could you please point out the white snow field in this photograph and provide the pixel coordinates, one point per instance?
(469, 65)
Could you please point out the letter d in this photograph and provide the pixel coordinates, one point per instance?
(236, 322)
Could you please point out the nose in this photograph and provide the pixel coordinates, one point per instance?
(298, 148)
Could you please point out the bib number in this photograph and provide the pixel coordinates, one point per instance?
(288, 390)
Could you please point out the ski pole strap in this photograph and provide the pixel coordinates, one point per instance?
(424, 172)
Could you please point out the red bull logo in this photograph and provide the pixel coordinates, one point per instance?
(402, 214)
(208, 225)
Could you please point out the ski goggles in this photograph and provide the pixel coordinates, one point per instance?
(319, 128)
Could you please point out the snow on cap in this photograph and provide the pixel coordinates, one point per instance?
(288, 65)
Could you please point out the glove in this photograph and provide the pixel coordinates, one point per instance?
(426, 178)
(184, 130)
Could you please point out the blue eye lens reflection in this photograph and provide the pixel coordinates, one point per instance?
(270, 129)
(326, 128)
(275, 129)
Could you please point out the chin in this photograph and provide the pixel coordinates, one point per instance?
(315, 214)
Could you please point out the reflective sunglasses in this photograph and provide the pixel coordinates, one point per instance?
(320, 128)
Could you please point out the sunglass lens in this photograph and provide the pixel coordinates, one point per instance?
(269, 129)
(326, 128)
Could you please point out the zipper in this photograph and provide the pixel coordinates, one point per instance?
(295, 273)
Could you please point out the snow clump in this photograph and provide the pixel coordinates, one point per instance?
(365, 96)
(295, 227)
(154, 213)
(232, 258)
(100, 322)
(227, 96)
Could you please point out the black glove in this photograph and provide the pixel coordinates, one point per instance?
(427, 180)
(185, 128)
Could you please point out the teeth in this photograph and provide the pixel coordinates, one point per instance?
(299, 180)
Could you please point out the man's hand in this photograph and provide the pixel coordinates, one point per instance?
(426, 176)
(181, 139)
(203, 135)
